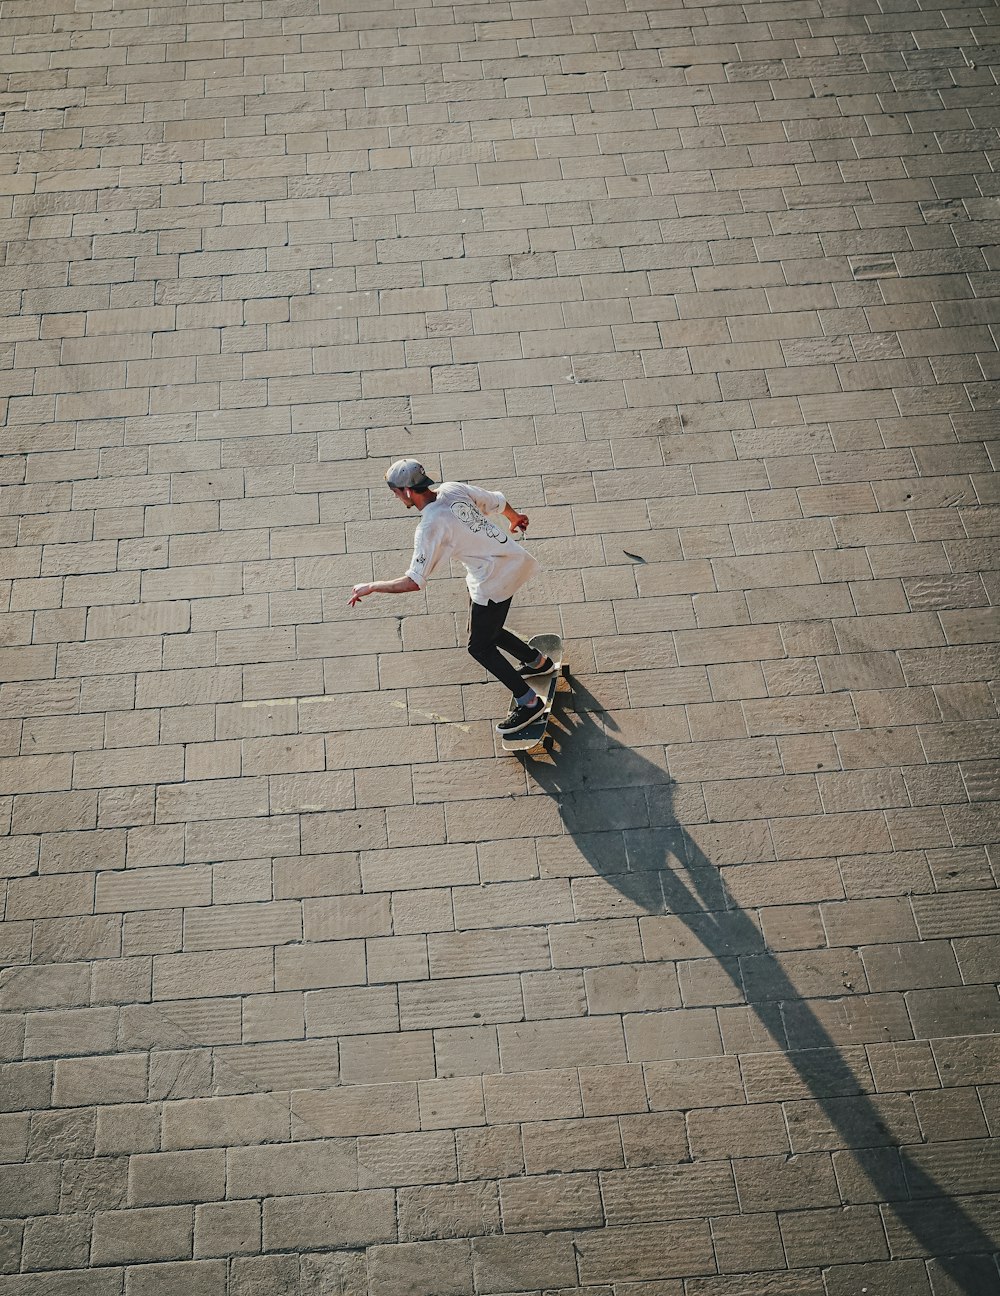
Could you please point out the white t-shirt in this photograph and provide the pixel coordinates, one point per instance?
(457, 525)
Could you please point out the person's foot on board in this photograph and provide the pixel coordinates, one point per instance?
(521, 716)
(546, 668)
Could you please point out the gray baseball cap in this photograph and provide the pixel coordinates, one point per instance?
(408, 474)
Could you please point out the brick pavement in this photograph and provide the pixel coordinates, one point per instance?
(305, 990)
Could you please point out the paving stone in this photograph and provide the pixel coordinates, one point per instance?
(250, 1275)
(488, 1153)
(448, 1210)
(747, 1242)
(571, 1145)
(155, 1233)
(329, 1219)
(284, 1169)
(533, 1095)
(173, 1177)
(200, 1277)
(226, 1227)
(31, 1189)
(751, 1130)
(394, 1159)
(420, 1267)
(363, 1109)
(564, 1202)
(891, 1276)
(505, 1263)
(680, 1192)
(858, 1233)
(639, 1251)
(218, 1122)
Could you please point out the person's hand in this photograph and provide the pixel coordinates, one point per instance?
(519, 522)
(358, 593)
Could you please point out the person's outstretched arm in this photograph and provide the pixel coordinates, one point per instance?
(401, 585)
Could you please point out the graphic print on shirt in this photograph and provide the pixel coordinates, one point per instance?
(474, 520)
(418, 565)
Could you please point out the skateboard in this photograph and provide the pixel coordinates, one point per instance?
(532, 739)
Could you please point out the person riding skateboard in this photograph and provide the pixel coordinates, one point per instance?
(455, 523)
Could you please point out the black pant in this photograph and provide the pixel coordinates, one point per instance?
(487, 636)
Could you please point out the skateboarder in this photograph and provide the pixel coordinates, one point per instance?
(455, 523)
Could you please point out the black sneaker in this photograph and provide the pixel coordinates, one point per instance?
(521, 716)
(547, 667)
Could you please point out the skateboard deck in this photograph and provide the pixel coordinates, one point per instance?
(532, 739)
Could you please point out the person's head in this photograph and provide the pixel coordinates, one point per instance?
(410, 484)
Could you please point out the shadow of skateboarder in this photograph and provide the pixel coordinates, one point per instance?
(647, 855)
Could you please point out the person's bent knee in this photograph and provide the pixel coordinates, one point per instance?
(483, 636)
